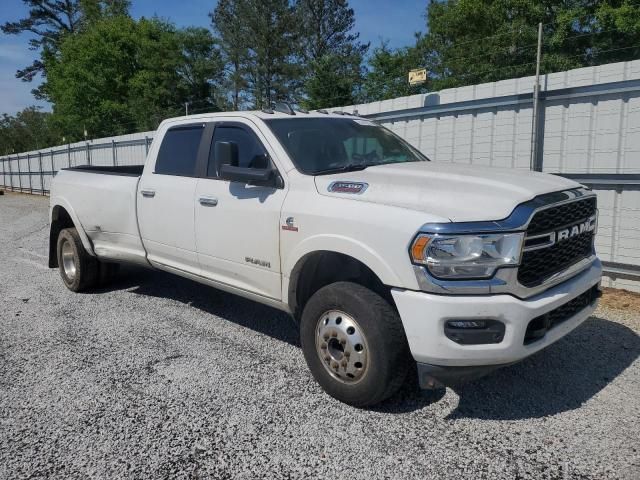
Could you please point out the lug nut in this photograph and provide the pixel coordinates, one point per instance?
(334, 334)
(323, 346)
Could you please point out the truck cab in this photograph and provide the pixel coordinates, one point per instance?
(382, 257)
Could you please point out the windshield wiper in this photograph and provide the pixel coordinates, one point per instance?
(349, 167)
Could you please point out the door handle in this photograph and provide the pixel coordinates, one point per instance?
(148, 193)
(208, 201)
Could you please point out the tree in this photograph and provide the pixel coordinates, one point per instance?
(270, 66)
(201, 69)
(258, 39)
(388, 73)
(474, 41)
(327, 27)
(90, 79)
(331, 52)
(50, 20)
(334, 80)
(30, 129)
(124, 75)
(232, 38)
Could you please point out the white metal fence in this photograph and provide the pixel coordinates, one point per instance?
(31, 172)
(589, 130)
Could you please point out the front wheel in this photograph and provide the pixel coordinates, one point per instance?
(354, 344)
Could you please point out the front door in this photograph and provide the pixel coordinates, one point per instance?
(238, 224)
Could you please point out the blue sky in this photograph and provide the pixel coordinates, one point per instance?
(376, 20)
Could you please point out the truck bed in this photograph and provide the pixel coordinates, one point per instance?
(104, 202)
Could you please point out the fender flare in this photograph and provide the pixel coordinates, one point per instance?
(61, 202)
(337, 244)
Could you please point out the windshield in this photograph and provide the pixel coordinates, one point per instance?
(328, 145)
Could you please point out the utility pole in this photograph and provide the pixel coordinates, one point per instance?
(536, 100)
(186, 109)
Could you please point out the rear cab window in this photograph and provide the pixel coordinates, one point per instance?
(178, 153)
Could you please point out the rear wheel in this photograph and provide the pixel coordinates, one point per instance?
(354, 344)
(78, 269)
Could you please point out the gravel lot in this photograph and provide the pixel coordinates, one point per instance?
(159, 377)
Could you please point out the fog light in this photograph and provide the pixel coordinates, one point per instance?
(467, 324)
(474, 332)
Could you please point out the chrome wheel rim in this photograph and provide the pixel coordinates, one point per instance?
(342, 347)
(68, 260)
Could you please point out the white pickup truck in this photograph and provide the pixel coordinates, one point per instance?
(382, 257)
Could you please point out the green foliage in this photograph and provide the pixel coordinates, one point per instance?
(331, 53)
(275, 50)
(231, 38)
(123, 75)
(333, 81)
(50, 21)
(111, 74)
(474, 41)
(201, 69)
(264, 37)
(29, 129)
(388, 74)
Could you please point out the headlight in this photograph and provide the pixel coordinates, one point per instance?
(466, 256)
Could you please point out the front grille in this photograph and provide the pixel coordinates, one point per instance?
(539, 265)
(539, 326)
(557, 217)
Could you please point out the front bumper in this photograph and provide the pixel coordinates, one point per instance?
(424, 316)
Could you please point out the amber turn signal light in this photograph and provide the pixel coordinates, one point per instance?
(418, 249)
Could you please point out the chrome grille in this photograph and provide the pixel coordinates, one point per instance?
(540, 264)
(554, 218)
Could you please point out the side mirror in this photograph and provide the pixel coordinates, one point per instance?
(225, 153)
(258, 176)
(260, 173)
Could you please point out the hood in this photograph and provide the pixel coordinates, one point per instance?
(461, 193)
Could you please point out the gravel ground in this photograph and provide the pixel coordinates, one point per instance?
(159, 377)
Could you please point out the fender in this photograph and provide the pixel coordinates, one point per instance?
(60, 201)
(337, 244)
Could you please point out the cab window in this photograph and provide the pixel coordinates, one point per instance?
(251, 152)
(178, 152)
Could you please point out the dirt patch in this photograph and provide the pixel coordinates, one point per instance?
(620, 299)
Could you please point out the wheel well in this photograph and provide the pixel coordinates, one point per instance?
(60, 219)
(319, 269)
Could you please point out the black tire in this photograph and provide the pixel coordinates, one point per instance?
(388, 352)
(86, 267)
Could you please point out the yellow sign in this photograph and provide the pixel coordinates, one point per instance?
(418, 76)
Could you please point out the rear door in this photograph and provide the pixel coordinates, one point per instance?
(238, 224)
(166, 199)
